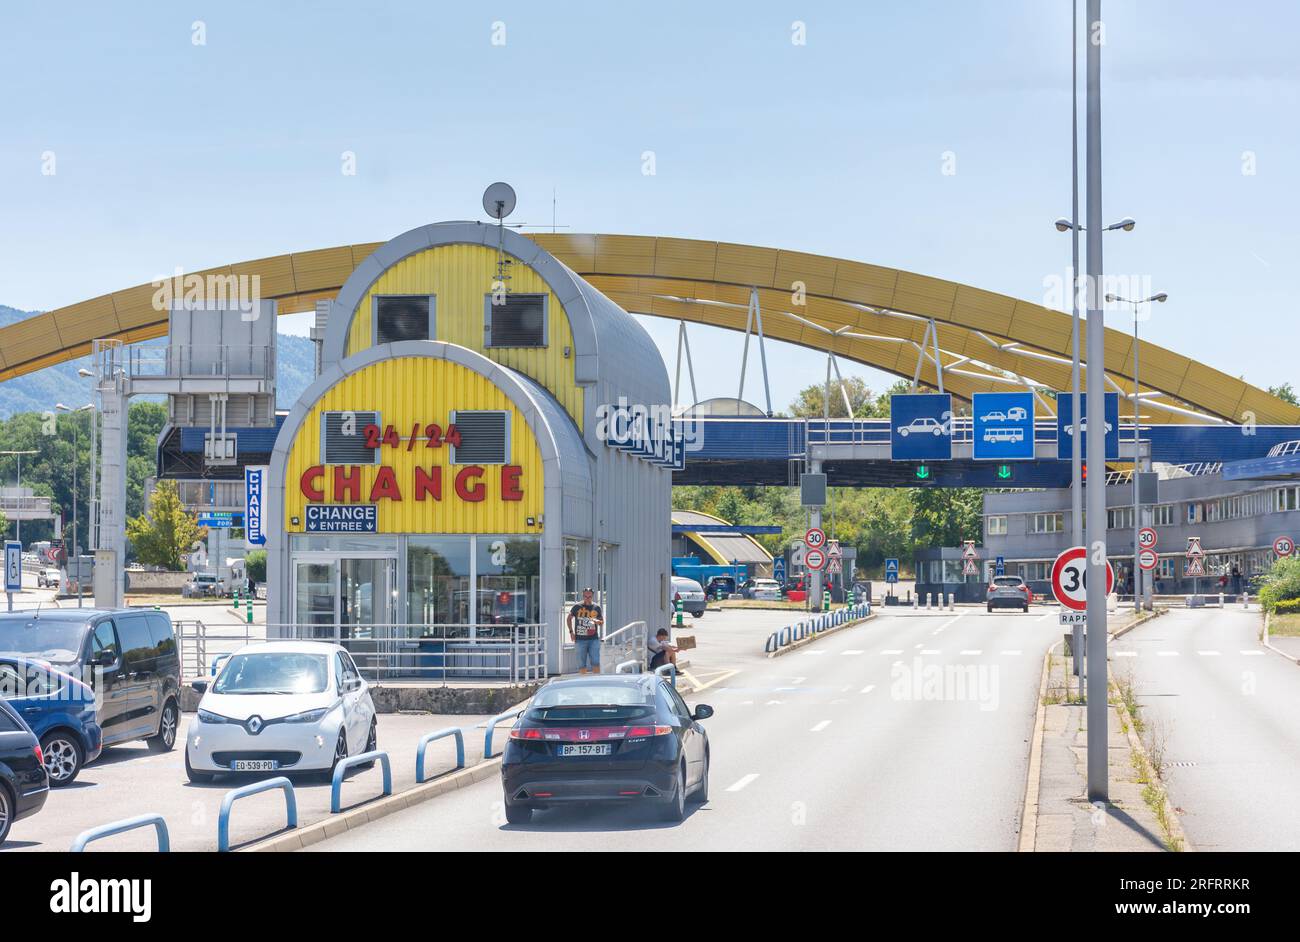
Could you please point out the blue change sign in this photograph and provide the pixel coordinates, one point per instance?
(1065, 425)
(254, 495)
(1003, 426)
(920, 427)
(891, 570)
(341, 518)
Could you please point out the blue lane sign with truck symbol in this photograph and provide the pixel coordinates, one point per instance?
(1003, 426)
(891, 570)
(1065, 425)
(254, 495)
(920, 427)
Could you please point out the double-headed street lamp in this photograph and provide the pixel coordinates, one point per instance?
(1137, 438)
(75, 443)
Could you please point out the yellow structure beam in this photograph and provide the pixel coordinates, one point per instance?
(987, 341)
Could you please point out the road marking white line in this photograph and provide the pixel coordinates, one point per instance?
(917, 647)
(974, 653)
(868, 688)
(1047, 616)
(743, 782)
(812, 653)
(931, 652)
(746, 702)
(1124, 653)
(772, 703)
(726, 675)
(1253, 653)
(797, 680)
(1011, 653)
(1166, 654)
(855, 651)
(846, 688)
(820, 726)
(1208, 653)
(892, 651)
(839, 700)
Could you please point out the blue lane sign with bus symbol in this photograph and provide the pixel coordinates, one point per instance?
(1065, 425)
(341, 518)
(891, 570)
(13, 566)
(920, 427)
(1003, 426)
(254, 484)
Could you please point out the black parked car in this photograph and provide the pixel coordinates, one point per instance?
(613, 737)
(24, 786)
(130, 656)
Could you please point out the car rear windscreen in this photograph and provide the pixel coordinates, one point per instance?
(594, 701)
(1007, 581)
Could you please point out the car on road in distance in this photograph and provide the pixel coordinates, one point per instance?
(47, 578)
(281, 706)
(796, 591)
(691, 594)
(24, 786)
(59, 709)
(767, 590)
(129, 656)
(204, 585)
(724, 584)
(921, 426)
(1008, 592)
(607, 738)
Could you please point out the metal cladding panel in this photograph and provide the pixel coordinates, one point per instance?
(325, 267)
(416, 391)
(460, 275)
(87, 321)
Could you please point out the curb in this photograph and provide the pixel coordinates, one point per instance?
(795, 645)
(1029, 814)
(1268, 616)
(1146, 617)
(1176, 832)
(337, 824)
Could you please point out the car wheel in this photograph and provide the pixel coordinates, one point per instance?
(517, 813)
(702, 790)
(674, 809)
(902, 433)
(167, 725)
(990, 609)
(63, 758)
(6, 812)
(194, 775)
(372, 743)
(340, 753)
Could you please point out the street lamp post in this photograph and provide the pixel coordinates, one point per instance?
(76, 440)
(18, 486)
(1137, 439)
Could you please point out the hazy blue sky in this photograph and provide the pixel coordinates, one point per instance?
(171, 154)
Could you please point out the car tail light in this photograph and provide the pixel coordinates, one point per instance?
(637, 732)
(40, 756)
(1023, 588)
(530, 733)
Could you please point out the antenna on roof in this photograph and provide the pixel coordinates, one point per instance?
(499, 202)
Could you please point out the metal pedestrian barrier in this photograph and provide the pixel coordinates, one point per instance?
(439, 734)
(256, 788)
(492, 725)
(121, 827)
(672, 673)
(620, 669)
(336, 788)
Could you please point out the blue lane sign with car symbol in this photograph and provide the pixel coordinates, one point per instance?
(1003, 426)
(1065, 425)
(920, 427)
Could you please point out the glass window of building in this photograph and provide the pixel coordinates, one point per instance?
(1047, 523)
(437, 583)
(997, 525)
(404, 317)
(508, 570)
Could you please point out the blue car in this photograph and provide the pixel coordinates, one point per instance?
(60, 711)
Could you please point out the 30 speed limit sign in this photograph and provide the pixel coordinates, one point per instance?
(815, 538)
(1284, 546)
(1147, 538)
(1070, 579)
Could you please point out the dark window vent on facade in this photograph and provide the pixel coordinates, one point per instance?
(403, 317)
(484, 437)
(518, 321)
(343, 438)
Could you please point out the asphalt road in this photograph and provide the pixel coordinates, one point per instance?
(909, 732)
(1226, 710)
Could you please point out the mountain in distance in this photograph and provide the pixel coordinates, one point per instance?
(42, 390)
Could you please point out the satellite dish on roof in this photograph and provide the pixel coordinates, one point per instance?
(499, 200)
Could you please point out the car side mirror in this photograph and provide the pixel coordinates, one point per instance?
(200, 686)
(351, 684)
(702, 712)
(106, 659)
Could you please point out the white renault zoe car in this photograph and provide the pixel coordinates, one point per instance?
(291, 706)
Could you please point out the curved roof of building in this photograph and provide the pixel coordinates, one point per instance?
(726, 547)
(986, 341)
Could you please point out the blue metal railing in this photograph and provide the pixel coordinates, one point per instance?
(492, 725)
(633, 663)
(672, 673)
(120, 827)
(427, 738)
(271, 784)
(814, 625)
(336, 787)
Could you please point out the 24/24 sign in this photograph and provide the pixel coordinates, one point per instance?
(1070, 578)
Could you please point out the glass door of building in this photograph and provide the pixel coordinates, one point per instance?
(344, 597)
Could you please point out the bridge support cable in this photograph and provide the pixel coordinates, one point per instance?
(753, 317)
(684, 343)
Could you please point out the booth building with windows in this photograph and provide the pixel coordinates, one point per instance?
(447, 474)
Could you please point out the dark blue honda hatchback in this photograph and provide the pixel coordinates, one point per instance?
(607, 737)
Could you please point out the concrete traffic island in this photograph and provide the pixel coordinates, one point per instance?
(1057, 814)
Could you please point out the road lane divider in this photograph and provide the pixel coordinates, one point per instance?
(802, 632)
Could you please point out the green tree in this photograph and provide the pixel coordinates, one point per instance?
(1285, 393)
(866, 404)
(145, 422)
(166, 531)
(4, 522)
(255, 565)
